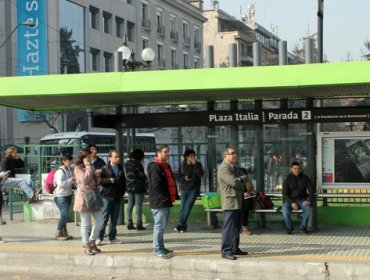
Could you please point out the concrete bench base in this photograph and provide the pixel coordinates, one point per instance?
(212, 219)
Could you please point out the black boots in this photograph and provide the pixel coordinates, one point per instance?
(130, 225)
(140, 225)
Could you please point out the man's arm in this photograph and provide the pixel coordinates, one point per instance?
(286, 192)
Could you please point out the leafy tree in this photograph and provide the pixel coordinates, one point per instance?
(366, 53)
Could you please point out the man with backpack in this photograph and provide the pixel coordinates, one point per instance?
(298, 193)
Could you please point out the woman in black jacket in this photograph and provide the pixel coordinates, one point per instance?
(113, 183)
(136, 187)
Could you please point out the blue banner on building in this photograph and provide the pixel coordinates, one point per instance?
(32, 51)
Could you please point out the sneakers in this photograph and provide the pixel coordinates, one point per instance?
(289, 230)
(115, 241)
(168, 251)
(304, 230)
(164, 255)
(2, 240)
(98, 242)
(180, 229)
(246, 231)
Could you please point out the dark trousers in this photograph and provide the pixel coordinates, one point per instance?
(231, 231)
(247, 206)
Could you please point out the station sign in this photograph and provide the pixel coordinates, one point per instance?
(238, 117)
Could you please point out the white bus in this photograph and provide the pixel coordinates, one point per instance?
(53, 145)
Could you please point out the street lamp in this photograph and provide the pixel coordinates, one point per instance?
(320, 30)
(29, 24)
(128, 57)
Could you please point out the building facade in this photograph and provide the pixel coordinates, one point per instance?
(81, 36)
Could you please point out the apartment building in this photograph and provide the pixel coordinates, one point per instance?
(81, 36)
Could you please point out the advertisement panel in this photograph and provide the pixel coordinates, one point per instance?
(32, 52)
(344, 159)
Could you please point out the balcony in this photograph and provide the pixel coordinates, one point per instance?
(161, 63)
(187, 41)
(160, 30)
(197, 45)
(174, 36)
(145, 24)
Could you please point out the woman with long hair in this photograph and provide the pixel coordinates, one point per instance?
(136, 184)
(87, 179)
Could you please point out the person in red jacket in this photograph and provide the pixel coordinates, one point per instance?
(162, 195)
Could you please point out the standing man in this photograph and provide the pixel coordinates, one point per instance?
(231, 182)
(162, 195)
(191, 178)
(112, 179)
(298, 193)
(97, 162)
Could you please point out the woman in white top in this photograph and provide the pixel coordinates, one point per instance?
(63, 182)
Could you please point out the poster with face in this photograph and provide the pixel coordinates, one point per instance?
(352, 160)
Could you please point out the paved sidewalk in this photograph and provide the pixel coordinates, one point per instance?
(331, 252)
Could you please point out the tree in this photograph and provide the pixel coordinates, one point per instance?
(69, 52)
(366, 53)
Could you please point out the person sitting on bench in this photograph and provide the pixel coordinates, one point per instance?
(298, 193)
(11, 164)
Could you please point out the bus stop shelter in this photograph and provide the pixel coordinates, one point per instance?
(206, 86)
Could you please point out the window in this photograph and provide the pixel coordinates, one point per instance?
(108, 62)
(130, 31)
(197, 44)
(174, 64)
(173, 29)
(119, 27)
(94, 17)
(145, 43)
(160, 27)
(185, 60)
(107, 22)
(196, 62)
(94, 59)
(145, 15)
(185, 32)
(160, 56)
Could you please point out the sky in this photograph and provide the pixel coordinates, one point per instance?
(346, 23)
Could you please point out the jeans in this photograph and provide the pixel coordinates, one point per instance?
(137, 199)
(63, 203)
(110, 210)
(287, 209)
(21, 183)
(160, 216)
(187, 201)
(85, 225)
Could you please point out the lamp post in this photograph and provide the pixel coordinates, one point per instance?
(320, 29)
(25, 23)
(128, 57)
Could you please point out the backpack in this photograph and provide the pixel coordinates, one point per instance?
(264, 201)
(49, 182)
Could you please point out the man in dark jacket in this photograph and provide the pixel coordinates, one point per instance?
(113, 183)
(96, 161)
(298, 193)
(191, 177)
(162, 195)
